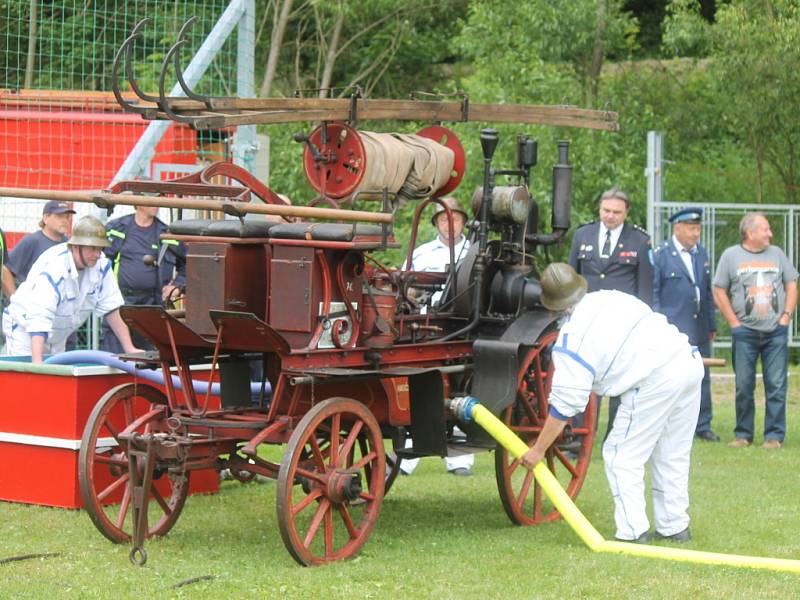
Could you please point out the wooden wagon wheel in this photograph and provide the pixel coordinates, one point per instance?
(331, 482)
(522, 497)
(103, 464)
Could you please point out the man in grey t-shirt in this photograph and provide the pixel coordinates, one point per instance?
(755, 289)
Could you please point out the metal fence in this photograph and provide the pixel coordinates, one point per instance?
(721, 229)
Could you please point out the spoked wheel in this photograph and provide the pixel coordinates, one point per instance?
(103, 471)
(331, 482)
(523, 499)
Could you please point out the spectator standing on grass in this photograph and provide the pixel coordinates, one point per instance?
(682, 293)
(755, 289)
(53, 227)
(612, 254)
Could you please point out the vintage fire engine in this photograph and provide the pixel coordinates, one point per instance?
(356, 362)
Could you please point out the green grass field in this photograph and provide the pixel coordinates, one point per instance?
(438, 536)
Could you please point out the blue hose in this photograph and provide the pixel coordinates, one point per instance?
(98, 357)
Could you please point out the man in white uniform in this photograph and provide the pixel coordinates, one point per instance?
(65, 285)
(613, 344)
(435, 256)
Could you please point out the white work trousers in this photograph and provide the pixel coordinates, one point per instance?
(656, 421)
(460, 461)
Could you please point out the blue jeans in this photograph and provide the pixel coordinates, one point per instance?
(748, 345)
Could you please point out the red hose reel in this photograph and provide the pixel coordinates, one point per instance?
(342, 160)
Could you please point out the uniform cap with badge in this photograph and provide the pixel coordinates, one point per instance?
(687, 215)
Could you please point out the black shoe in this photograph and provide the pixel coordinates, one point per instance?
(680, 537)
(707, 435)
(462, 471)
(642, 539)
(571, 446)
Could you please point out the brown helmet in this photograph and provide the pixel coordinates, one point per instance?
(453, 205)
(89, 231)
(562, 287)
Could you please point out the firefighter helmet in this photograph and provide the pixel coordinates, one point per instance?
(562, 287)
(89, 231)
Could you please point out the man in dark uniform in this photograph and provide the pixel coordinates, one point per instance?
(614, 255)
(682, 293)
(53, 228)
(132, 238)
(7, 284)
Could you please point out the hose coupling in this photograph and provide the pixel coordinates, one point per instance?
(462, 408)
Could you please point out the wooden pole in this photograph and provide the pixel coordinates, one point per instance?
(105, 200)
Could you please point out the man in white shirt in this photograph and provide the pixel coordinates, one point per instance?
(65, 285)
(614, 344)
(435, 256)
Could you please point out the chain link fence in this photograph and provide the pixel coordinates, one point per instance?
(60, 125)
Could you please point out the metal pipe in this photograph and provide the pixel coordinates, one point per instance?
(105, 200)
(309, 379)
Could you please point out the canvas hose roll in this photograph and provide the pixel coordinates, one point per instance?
(468, 410)
(410, 166)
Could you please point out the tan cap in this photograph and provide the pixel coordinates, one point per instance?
(452, 204)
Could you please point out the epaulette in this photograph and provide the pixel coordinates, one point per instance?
(640, 229)
(587, 224)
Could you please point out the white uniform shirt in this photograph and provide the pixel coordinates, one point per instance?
(435, 256)
(56, 298)
(611, 342)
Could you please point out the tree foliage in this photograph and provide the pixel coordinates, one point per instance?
(756, 54)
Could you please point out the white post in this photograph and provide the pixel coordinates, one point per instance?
(655, 180)
(245, 144)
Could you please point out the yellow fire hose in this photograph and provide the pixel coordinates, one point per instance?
(468, 409)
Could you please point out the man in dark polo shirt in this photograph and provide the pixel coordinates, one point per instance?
(132, 238)
(53, 227)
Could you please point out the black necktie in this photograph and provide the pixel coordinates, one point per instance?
(696, 271)
(607, 246)
(696, 266)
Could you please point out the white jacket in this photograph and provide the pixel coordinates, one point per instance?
(611, 342)
(56, 298)
(435, 255)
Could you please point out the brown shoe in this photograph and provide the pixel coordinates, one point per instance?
(739, 443)
(771, 445)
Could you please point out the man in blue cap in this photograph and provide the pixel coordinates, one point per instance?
(682, 293)
(53, 228)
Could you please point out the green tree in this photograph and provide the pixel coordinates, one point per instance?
(755, 57)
